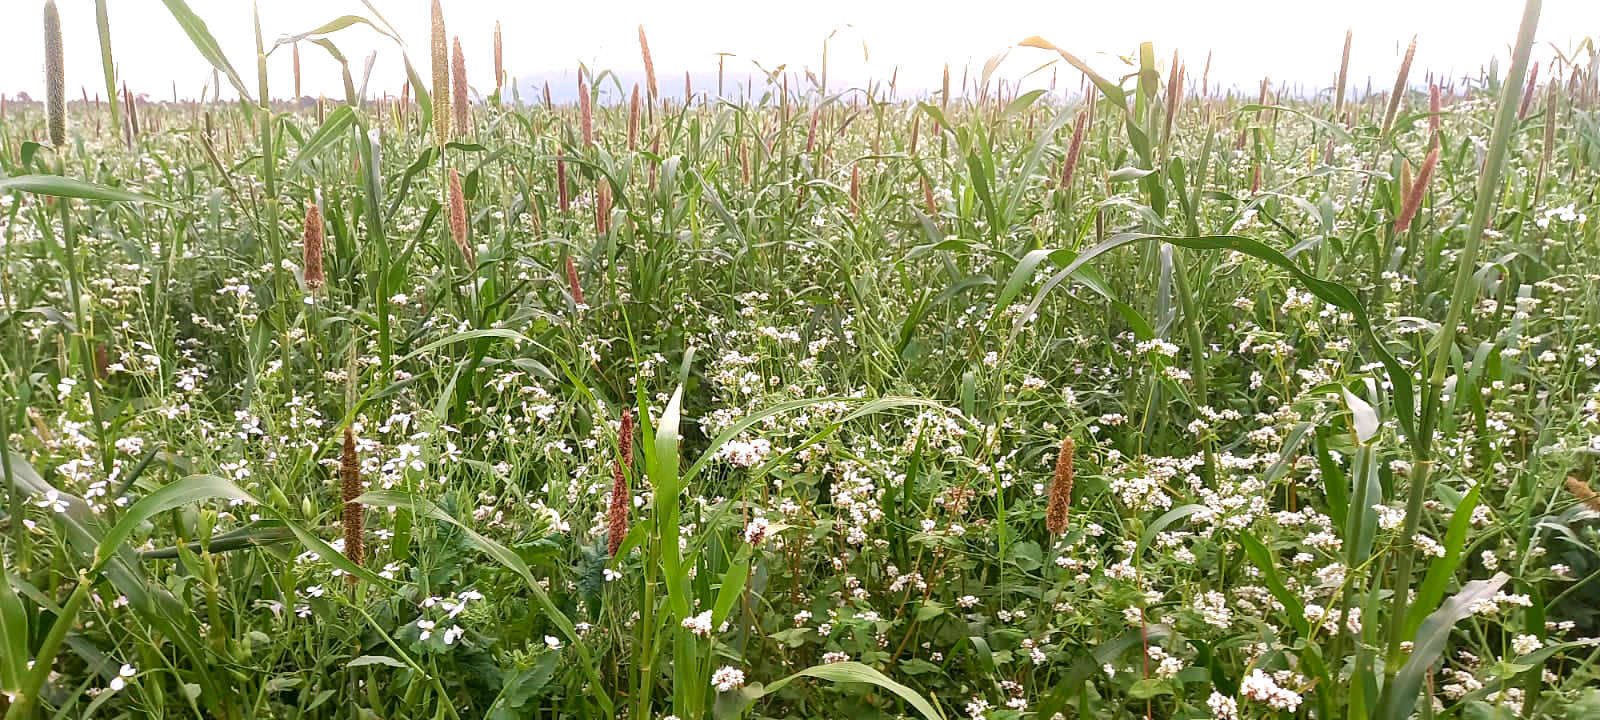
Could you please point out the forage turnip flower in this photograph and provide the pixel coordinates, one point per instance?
(53, 500)
(121, 680)
(727, 678)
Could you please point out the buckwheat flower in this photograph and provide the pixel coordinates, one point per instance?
(1213, 609)
(1223, 707)
(756, 530)
(727, 678)
(1524, 644)
(1261, 687)
(1389, 518)
(835, 657)
(745, 453)
(698, 624)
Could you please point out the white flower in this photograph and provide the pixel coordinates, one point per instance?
(552, 642)
(1222, 706)
(742, 453)
(426, 626)
(727, 678)
(756, 531)
(1524, 644)
(121, 680)
(699, 624)
(1260, 687)
(54, 501)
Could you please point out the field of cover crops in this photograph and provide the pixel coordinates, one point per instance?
(1125, 397)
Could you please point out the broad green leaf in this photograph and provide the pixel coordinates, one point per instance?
(58, 186)
(849, 672)
(663, 472)
(733, 581)
(1261, 558)
(1443, 569)
(1112, 91)
(13, 636)
(334, 128)
(1088, 663)
(194, 488)
(203, 41)
(1128, 174)
(1400, 695)
(1019, 278)
(1363, 415)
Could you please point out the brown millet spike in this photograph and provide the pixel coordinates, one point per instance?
(1583, 493)
(1055, 516)
(649, 66)
(350, 480)
(458, 102)
(499, 65)
(1418, 189)
(313, 249)
(617, 515)
(458, 221)
(572, 282)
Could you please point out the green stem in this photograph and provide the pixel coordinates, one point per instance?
(69, 241)
(1461, 297)
(45, 658)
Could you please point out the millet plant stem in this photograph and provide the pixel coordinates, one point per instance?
(1432, 404)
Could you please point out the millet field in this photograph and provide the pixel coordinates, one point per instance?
(1115, 394)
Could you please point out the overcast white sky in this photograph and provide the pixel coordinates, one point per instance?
(1294, 41)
